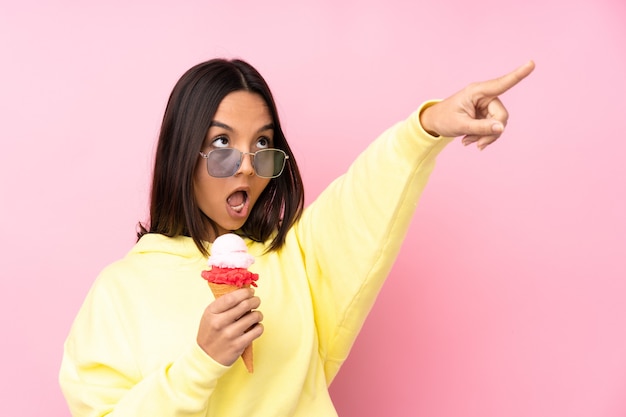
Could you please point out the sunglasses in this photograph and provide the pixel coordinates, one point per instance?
(225, 162)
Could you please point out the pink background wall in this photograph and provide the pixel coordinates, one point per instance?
(508, 297)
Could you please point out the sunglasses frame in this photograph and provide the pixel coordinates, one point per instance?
(241, 155)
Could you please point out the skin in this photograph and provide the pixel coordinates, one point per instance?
(243, 122)
(476, 112)
(232, 322)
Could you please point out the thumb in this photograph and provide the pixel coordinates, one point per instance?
(484, 127)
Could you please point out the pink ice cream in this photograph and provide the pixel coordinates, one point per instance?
(230, 261)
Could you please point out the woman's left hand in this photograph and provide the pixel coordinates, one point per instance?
(476, 112)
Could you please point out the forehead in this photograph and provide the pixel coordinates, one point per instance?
(243, 106)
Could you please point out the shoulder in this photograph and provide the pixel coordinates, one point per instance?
(151, 257)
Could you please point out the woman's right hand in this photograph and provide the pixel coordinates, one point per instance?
(229, 324)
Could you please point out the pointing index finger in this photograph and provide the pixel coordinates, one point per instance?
(502, 84)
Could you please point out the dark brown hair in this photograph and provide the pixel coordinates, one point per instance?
(188, 115)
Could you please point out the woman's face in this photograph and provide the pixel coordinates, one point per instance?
(243, 122)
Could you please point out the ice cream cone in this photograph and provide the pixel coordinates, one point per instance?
(229, 262)
(223, 289)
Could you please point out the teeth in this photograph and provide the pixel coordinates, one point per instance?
(237, 208)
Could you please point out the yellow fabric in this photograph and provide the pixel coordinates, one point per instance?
(132, 349)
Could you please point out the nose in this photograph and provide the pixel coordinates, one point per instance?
(246, 167)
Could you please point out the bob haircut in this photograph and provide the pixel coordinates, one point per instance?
(190, 109)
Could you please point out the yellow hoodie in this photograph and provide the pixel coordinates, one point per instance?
(132, 349)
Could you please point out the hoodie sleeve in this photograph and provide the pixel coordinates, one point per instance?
(99, 374)
(353, 232)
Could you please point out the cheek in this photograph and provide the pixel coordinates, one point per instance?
(258, 188)
(206, 191)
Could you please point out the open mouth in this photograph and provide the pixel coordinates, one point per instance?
(237, 200)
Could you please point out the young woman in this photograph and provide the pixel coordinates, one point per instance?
(150, 340)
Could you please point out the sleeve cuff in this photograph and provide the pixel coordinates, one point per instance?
(416, 117)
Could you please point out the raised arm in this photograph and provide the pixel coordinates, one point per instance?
(352, 233)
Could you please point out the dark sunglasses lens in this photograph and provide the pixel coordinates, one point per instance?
(269, 163)
(222, 163)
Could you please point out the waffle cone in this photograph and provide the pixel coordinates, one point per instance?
(223, 289)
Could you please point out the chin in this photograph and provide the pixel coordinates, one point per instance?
(232, 226)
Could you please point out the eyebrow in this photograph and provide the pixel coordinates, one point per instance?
(269, 126)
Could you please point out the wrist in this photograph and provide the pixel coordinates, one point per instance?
(426, 120)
